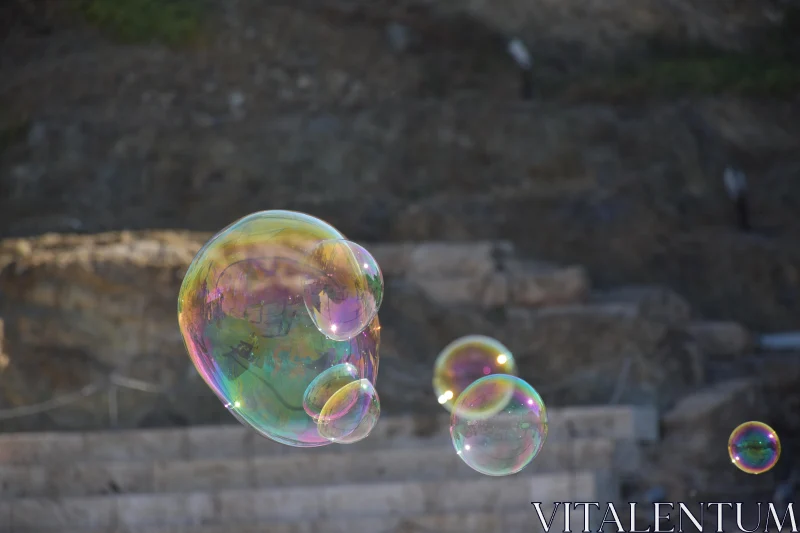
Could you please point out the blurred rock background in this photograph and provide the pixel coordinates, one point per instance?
(588, 228)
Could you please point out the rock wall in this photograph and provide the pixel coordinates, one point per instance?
(81, 308)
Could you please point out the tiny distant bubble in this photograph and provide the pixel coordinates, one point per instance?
(498, 443)
(344, 290)
(466, 360)
(754, 447)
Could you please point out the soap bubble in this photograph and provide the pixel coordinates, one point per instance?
(350, 413)
(754, 447)
(325, 385)
(466, 360)
(248, 333)
(498, 443)
(346, 297)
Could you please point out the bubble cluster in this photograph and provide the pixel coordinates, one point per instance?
(249, 333)
(345, 295)
(754, 447)
(466, 360)
(498, 425)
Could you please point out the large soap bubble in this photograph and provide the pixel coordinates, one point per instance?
(345, 299)
(498, 442)
(248, 332)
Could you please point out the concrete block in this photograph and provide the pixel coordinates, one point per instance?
(135, 445)
(623, 422)
(62, 513)
(721, 338)
(140, 511)
(393, 258)
(455, 290)
(89, 479)
(650, 301)
(539, 286)
(35, 448)
(223, 441)
(19, 481)
(202, 474)
(452, 260)
(385, 499)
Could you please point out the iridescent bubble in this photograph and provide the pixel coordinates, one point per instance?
(498, 443)
(351, 413)
(466, 360)
(325, 385)
(754, 447)
(246, 328)
(346, 294)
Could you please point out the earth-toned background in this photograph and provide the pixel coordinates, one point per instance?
(402, 123)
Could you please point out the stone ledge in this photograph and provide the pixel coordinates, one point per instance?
(637, 423)
(483, 494)
(330, 465)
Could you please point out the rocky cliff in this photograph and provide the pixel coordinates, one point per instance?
(420, 137)
(80, 310)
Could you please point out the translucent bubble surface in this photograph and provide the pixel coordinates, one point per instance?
(325, 385)
(501, 442)
(754, 447)
(466, 360)
(347, 294)
(246, 328)
(351, 413)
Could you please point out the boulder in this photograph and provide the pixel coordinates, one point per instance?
(539, 284)
(721, 338)
(78, 308)
(602, 352)
(653, 302)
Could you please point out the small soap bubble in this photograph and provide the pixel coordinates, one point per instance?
(325, 385)
(754, 447)
(466, 360)
(245, 325)
(350, 413)
(498, 443)
(345, 291)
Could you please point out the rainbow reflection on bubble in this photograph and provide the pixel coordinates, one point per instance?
(466, 360)
(498, 442)
(248, 332)
(351, 413)
(325, 385)
(754, 447)
(346, 297)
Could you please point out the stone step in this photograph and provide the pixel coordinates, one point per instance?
(637, 423)
(320, 466)
(138, 512)
(510, 521)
